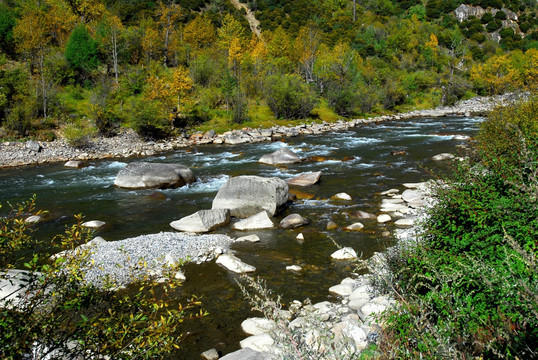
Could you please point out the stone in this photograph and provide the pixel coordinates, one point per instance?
(296, 268)
(257, 325)
(390, 192)
(346, 330)
(247, 354)
(34, 219)
(346, 253)
(250, 238)
(233, 263)
(202, 221)
(300, 236)
(281, 156)
(415, 185)
(354, 227)
(248, 195)
(94, 224)
(260, 220)
(442, 157)
(77, 164)
(363, 215)
(341, 196)
(341, 289)
(372, 308)
(261, 342)
(383, 218)
(394, 208)
(305, 179)
(14, 287)
(33, 146)
(331, 225)
(293, 221)
(404, 222)
(410, 196)
(210, 354)
(144, 175)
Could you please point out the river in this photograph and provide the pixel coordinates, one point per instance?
(370, 167)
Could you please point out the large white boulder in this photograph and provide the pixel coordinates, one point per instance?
(233, 263)
(258, 221)
(202, 221)
(143, 175)
(261, 342)
(281, 156)
(15, 287)
(248, 195)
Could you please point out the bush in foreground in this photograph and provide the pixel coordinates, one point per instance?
(59, 315)
(469, 287)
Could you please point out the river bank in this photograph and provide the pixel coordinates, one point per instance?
(129, 144)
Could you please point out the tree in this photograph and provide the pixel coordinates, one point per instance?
(168, 16)
(306, 47)
(87, 10)
(81, 51)
(32, 37)
(7, 23)
(199, 33)
(181, 83)
(231, 29)
(109, 32)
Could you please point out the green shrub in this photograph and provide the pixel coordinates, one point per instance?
(150, 120)
(78, 133)
(289, 97)
(469, 287)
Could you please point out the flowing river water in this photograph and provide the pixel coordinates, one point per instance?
(370, 167)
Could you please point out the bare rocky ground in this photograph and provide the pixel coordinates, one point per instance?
(129, 144)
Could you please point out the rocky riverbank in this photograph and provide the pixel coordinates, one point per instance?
(340, 329)
(128, 144)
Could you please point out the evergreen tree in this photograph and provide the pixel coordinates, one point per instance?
(81, 51)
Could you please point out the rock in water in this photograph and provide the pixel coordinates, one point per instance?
(202, 221)
(258, 221)
(143, 175)
(248, 195)
(293, 221)
(232, 263)
(346, 253)
(281, 156)
(442, 157)
(305, 179)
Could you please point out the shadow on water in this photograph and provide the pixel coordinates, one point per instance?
(361, 162)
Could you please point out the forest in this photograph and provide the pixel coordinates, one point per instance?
(76, 69)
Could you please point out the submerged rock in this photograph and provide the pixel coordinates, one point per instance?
(281, 156)
(305, 179)
(144, 175)
(292, 221)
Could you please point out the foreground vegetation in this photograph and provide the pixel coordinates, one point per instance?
(59, 315)
(469, 288)
(79, 68)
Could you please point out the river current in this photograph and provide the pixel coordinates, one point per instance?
(362, 162)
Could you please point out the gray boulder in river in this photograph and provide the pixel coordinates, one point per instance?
(281, 156)
(144, 175)
(248, 195)
(202, 221)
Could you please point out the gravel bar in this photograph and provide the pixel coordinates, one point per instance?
(123, 261)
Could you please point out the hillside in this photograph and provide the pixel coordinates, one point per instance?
(81, 68)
